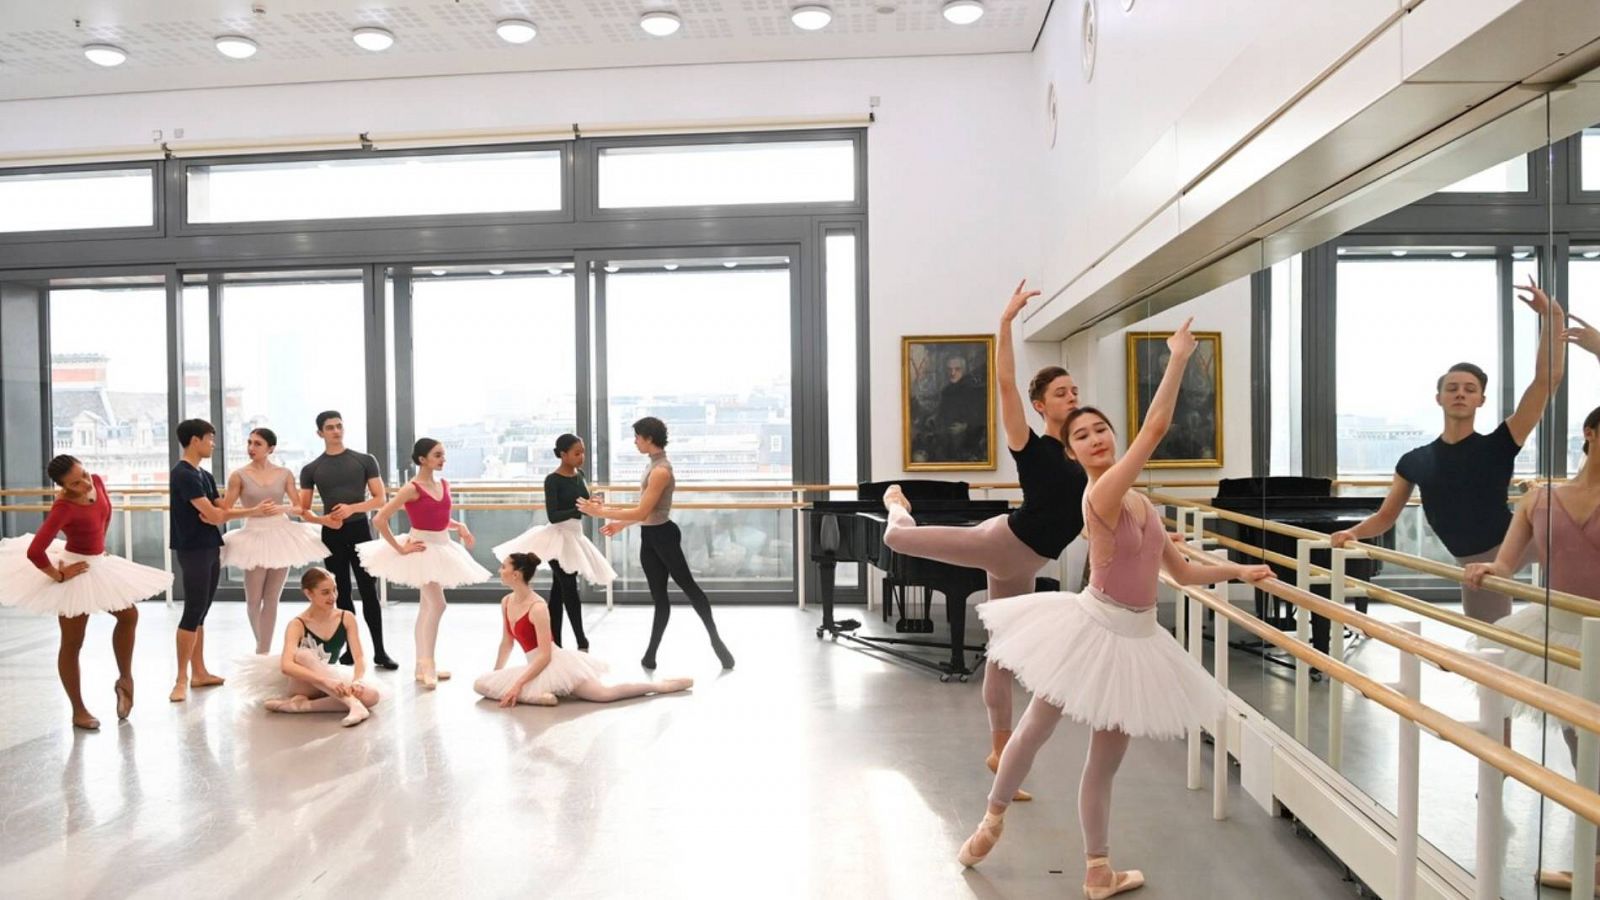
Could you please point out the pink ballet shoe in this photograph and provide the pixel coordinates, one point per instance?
(982, 840)
(546, 699)
(358, 714)
(894, 496)
(124, 699)
(1121, 882)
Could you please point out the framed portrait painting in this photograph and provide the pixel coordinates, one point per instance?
(1195, 438)
(947, 402)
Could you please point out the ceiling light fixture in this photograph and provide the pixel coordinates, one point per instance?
(671, 267)
(1397, 253)
(236, 46)
(1520, 254)
(811, 17)
(375, 39)
(516, 31)
(497, 271)
(105, 55)
(730, 265)
(660, 23)
(613, 269)
(963, 12)
(1458, 254)
(554, 270)
(438, 271)
(1591, 254)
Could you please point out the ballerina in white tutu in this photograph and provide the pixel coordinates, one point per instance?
(73, 579)
(424, 558)
(551, 672)
(561, 543)
(267, 547)
(1099, 656)
(306, 677)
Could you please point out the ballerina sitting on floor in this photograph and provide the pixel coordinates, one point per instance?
(306, 678)
(552, 672)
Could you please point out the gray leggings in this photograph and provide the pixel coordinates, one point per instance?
(991, 546)
(1106, 749)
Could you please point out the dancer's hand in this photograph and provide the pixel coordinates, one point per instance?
(1255, 574)
(337, 688)
(1476, 572)
(1537, 300)
(510, 699)
(1176, 537)
(340, 512)
(410, 547)
(1182, 343)
(331, 522)
(590, 507)
(467, 540)
(1583, 335)
(1340, 538)
(265, 508)
(73, 570)
(612, 529)
(1019, 299)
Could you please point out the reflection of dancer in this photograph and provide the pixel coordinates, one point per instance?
(1010, 548)
(1464, 475)
(1099, 656)
(562, 542)
(73, 580)
(1563, 525)
(305, 679)
(267, 547)
(424, 558)
(552, 672)
(344, 478)
(660, 541)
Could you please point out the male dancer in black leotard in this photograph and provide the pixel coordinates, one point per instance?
(350, 486)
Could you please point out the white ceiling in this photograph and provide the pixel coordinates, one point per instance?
(169, 42)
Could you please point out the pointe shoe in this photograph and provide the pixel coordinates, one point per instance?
(545, 699)
(993, 762)
(206, 680)
(180, 692)
(1132, 879)
(987, 835)
(648, 661)
(358, 714)
(299, 703)
(723, 655)
(426, 676)
(674, 685)
(1560, 880)
(88, 723)
(894, 496)
(124, 699)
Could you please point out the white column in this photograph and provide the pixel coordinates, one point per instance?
(1491, 822)
(1406, 798)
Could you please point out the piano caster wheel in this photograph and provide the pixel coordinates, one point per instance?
(819, 631)
(963, 678)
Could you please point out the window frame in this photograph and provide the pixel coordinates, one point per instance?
(158, 210)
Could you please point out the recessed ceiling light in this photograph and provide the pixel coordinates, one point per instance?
(497, 271)
(811, 17)
(1339, 251)
(613, 269)
(671, 267)
(1458, 254)
(1591, 254)
(1521, 254)
(730, 265)
(554, 270)
(105, 54)
(963, 12)
(438, 271)
(1397, 253)
(236, 46)
(660, 23)
(374, 39)
(516, 31)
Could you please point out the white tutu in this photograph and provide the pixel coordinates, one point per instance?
(261, 678)
(567, 670)
(19, 544)
(273, 542)
(1105, 666)
(1566, 629)
(111, 583)
(564, 543)
(445, 562)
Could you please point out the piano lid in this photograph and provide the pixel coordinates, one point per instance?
(1274, 486)
(916, 489)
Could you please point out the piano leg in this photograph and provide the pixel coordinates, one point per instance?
(956, 611)
(826, 573)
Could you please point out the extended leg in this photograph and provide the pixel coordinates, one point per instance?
(255, 581)
(595, 692)
(573, 601)
(72, 631)
(671, 551)
(122, 646)
(555, 605)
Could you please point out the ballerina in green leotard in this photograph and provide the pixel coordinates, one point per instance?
(307, 671)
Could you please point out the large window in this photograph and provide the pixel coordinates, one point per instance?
(196, 299)
(840, 263)
(727, 174)
(1286, 447)
(293, 345)
(362, 188)
(1510, 176)
(62, 201)
(108, 378)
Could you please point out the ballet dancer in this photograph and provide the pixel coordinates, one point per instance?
(73, 579)
(267, 547)
(561, 543)
(424, 558)
(660, 541)
(1011, 548)
(1464, 475)
(197, 520)
(1099, 656)
(552, 672)
(305, 678)
(350, 487)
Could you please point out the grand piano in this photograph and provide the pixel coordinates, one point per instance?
(1305, 503)
(851, 531)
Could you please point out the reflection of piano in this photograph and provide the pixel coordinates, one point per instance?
(852, 531)
(1304, 503)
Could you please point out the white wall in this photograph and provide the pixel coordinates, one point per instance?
(952, 192)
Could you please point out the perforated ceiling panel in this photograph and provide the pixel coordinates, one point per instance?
(170, 42)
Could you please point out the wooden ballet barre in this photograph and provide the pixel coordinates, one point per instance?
(1575, 797)
(1573, 603)
(1489, 631)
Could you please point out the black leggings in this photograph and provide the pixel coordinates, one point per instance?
(661, 555)
(342, 560)
(564, 593)
(201, 571)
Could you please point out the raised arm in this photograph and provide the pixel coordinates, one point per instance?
(1013, 414)
(1105, 495)
(1513, 549)
(1582, 335)
(1188, 571)
(1549, 367)
(1382, 520)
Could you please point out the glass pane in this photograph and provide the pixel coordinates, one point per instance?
(196, 349)
(1385, 302)
(1583, 375)
(1286, 458)
(108, 379)
(500, 412)
(57, 201)
(840, 264)
(523, 181)
(293, 345)
(1510, 176)
(1590, 165)
(727, 174)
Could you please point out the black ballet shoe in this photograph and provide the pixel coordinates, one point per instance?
(648, 662)
(384, 662)
(723, 655)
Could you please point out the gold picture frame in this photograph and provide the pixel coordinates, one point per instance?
(1195, 438)
(938, 407)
